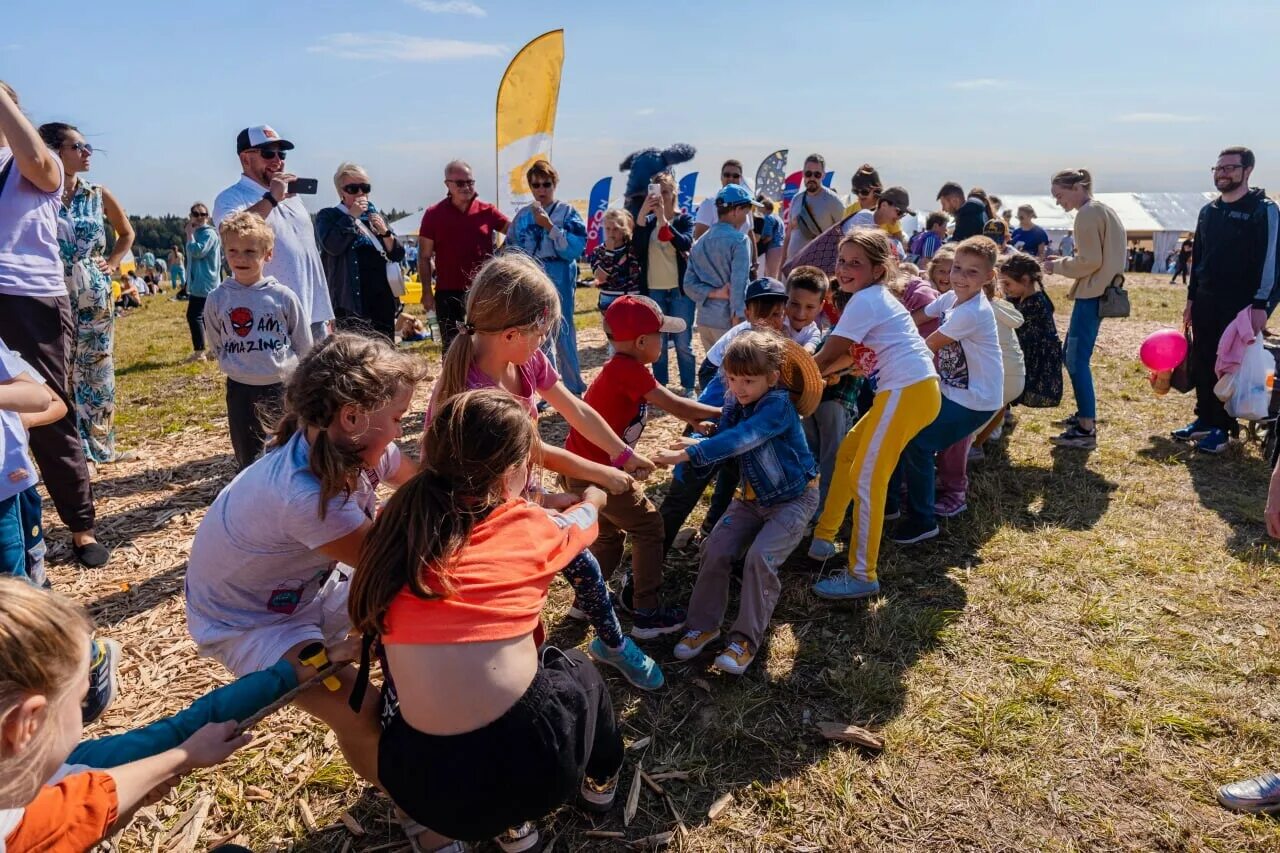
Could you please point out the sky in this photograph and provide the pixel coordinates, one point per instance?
(994, 94)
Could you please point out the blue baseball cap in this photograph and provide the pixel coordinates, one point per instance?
(765, 288)
(736, 195)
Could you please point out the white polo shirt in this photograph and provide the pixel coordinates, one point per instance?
(295, 261)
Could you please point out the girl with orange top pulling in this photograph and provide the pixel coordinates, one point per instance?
(480, 731)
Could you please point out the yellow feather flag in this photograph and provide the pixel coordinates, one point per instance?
(526, 115)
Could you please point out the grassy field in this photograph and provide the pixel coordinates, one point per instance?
(1074, 665)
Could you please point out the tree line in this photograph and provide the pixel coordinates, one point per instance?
(157, 234)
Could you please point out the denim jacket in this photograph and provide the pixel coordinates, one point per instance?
(768, 438)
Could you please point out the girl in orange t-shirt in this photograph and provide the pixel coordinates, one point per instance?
(44, 675)
(481, 732)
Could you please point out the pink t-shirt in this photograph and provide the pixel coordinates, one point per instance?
(536, 375)
(29, 261)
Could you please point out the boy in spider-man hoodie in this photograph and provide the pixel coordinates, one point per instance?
(256, 330)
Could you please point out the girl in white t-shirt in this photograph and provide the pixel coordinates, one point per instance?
(972, 370)
(877, 337)
(269, 567)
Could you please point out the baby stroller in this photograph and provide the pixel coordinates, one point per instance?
(1267, 431)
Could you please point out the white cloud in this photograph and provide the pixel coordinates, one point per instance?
(645, 111)
(978, 83)
(448, 7)
(402, 48)
(1159, 118)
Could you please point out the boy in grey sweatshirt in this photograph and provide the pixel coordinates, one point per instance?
(256, 331)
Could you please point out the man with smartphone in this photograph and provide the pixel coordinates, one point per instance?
(269, 190)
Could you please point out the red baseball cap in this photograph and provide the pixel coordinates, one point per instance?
(629, 317)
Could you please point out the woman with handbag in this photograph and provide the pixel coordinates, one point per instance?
(361, 257)
(1098, 291)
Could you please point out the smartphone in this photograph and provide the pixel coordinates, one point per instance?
(655, 189)
(304, 186)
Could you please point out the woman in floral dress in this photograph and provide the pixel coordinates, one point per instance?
(82, 240)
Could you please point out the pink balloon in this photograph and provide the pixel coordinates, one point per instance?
(1163, 350)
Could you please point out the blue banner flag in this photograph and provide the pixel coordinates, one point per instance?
(685, 197)
(597, 203)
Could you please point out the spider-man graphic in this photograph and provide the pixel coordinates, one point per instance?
(241, 321)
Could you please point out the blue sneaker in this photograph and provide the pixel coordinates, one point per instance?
(1215, 441)
(104, 679)
(844, 586)
(821, 549)
(651, 623)
(1260, 794)
(635, 665)
(1193, 431)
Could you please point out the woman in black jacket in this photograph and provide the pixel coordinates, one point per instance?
(356, 246)
(661, 242)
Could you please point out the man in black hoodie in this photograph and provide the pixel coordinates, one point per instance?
(970, 214)
(1233, 267)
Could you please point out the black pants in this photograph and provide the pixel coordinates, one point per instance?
(41, 329)
(522, 766)
(1180, 269)
(195, 321)
(684, 493)
(451, 309)
(250, 409)
(379, 317)
(1209, 319)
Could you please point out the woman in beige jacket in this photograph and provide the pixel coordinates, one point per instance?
(1100, 256)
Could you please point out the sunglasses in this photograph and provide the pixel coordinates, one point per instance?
(732, 176)
(199, 214)
(82, 147)
(540, 185)
(355, 189)
(866, 192)
(809, 174)
(270, 153)
(470, 183)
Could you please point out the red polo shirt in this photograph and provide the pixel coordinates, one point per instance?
(461, 240)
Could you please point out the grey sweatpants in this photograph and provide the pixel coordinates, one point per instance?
(768, 534)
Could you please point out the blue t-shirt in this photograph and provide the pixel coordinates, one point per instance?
(13, 435)
(1029, 240)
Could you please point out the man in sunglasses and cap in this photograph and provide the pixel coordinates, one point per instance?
(263, 189)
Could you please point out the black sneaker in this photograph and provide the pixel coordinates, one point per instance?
(524, 838)
(654, 622)
(103, 679)
(1069, 421)
(910, 531)
(1076, 437)
(92, 555)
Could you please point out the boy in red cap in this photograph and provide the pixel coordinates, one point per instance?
(622, 394)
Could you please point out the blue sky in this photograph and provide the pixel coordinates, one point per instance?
(993, 94)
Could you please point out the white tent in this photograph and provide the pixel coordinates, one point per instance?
(407, 226)
(1160, 217)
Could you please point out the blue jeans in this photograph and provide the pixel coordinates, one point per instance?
(22, 545)
(566, 354)
(953, 423)
(675, 304)
(1082, 335)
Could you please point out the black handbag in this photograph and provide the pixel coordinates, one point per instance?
(1114, 303)
(1181, 380)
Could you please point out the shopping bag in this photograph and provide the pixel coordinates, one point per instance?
(1251, 397)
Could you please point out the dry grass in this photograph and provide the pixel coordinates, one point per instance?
(1073, 666)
